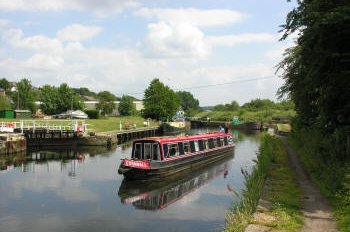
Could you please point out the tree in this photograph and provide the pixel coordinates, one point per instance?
(316, 70)
(258, 104)
(25, 97)
(188, 103)
(5, 85)
(84, 92)
(160, 102)
(4, 103)
(126, 106)
(106, 102)
(57, 100)
(68, 100)
(50, 100)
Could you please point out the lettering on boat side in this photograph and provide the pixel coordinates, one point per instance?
(137, 164)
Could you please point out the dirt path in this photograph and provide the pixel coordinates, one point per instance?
(316, 209)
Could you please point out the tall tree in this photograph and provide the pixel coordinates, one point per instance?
(316, 71)
(188, 103)
(160, 102)
(25, 96)
(126, 106)
(106, 102)
(68, 100)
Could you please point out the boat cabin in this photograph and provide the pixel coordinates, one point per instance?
(163, 148)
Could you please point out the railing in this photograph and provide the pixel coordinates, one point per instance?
(49, 125)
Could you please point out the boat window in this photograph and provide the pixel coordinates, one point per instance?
(193, 149)
(173, 149)
(225, 141)
(196, 146)
(211, 143)
(181, 148)
(218, 142)
(155, 151)
(166, 150)
(137, 151)
(187, 148)
(222, 141)
(215, 142)
(205, 144)
(201, 145)
(147, 148)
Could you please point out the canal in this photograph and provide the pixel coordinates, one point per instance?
(80, 190)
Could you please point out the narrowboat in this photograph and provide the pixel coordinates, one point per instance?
(157, 157)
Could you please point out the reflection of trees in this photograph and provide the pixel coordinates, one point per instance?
(16, 160)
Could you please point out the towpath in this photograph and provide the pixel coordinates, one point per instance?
(315, 207)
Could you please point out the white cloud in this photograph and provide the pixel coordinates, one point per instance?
(43, 61)
(39, 42)
(78, 32)
(193, 16)
(98, 7)
(231, 40)
(180, 40)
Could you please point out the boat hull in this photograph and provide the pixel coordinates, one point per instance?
(176, 165)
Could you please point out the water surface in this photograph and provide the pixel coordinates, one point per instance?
(65, 189)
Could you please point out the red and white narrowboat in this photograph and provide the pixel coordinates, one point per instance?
(163, 156)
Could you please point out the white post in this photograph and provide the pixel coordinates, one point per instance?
(120, 125)
(22, 127)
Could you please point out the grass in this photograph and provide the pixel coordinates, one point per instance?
(102, 125)
(325, 160)
(283, 191)
(112, 124)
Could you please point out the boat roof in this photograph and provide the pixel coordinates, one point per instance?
(172, 139)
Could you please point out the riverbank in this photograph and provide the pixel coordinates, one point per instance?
(272, 184)
(326, 161)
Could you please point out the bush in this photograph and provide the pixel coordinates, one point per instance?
(93, 114)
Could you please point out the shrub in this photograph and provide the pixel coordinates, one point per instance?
(93, 114)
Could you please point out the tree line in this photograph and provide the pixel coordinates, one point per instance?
(56, 100)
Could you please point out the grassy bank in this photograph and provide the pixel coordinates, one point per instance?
(248, 116)
(105, 124)
(283, 193)
(325, 160)
(113, 123)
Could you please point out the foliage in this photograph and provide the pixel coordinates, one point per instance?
(247, 116)
(316, 70)
(57, 100)
(106, 102)
(258, 104)
(126, 106)
(83, 91)
(93, 114)
(160, 102)
(188, 103)
(5, 85)
(25, 96)
(4, 103)
(233, 106)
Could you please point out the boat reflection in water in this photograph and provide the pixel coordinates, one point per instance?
(159, 194)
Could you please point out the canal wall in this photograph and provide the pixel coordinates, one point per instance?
(12, 143)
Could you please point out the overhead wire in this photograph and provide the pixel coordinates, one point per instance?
(213, 85)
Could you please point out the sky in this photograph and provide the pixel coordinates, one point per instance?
(219, 50)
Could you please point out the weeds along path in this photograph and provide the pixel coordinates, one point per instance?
(315, 207)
